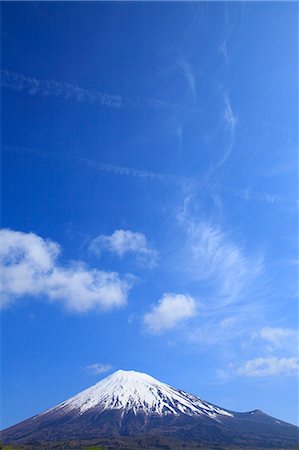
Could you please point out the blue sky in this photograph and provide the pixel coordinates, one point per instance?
(149, 200)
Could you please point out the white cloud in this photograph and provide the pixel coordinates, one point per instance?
(280, 338)
(29, 267)
(279, 346)
(269, 367)
(98, 368)
(122, 242)
(171, 310)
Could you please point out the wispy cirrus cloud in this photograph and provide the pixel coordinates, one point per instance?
(229, 117)
(228, 277)
(215, 258)
(219, 328)
(29, 267)
(223, 51)
(179, 134)
(122, 242)
(230, 121)
(189, 75)
(98, 368)
(171, 311)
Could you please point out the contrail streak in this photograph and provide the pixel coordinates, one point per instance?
(66, 91)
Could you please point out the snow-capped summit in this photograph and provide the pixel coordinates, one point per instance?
(138, 392)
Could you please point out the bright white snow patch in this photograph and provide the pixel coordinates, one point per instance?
(135, 392)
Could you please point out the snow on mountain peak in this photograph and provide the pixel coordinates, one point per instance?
(137, 392)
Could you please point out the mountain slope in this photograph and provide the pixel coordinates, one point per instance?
(131, 404)
(136, 392)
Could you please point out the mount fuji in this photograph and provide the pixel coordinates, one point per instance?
(131, 410)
